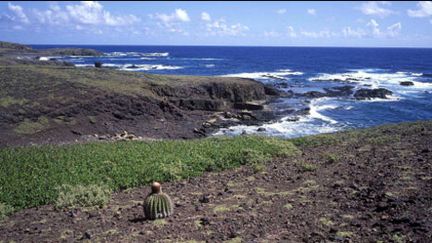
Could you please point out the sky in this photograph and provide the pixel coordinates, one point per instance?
(345, 24)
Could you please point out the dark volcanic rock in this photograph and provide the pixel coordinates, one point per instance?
(248, 106)
(270, 90)
(70, 52)
(314, 94)
(364, 94)
(406, 83)
(339, 91)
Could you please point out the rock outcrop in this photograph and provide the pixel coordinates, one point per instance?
(365, 94)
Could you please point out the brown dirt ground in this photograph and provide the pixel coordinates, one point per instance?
(368, 189)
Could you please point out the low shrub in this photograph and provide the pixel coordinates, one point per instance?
(5, 210)
(82, 196)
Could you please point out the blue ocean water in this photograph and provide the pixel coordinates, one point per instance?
(299, 69)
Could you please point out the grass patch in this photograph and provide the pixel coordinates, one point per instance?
(30, 127)
(288, 206)
(65, 120)
(234, 240)
(225, 208)
(82, 196)
(256, 159)
(159, 222)
(307, 167)
(325, 221)
(5, 210)
(30, 176)
(8, 101)
(331, 158)
(92, 119)
(344, 234)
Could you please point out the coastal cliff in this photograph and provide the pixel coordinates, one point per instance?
(53, 102)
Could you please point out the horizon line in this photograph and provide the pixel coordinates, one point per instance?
(407, 47)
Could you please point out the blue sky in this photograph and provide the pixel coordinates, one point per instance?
(365, 24)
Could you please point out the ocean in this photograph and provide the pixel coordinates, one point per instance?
(299, 69)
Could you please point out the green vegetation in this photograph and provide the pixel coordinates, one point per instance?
(30, 127)
(331, 158)
(82, 196)
(8, 101)
(30, 176)
(307, 166)
(5, 210)
(256, 159)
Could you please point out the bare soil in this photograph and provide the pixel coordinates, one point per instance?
(368, 186)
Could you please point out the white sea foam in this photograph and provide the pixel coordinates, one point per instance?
(134, 67)
(199, 58)
(377, 79)
(314, 123)
(137, 54)
(48, 58)
(279, 74)
(209, 65)
(84, 65)
(286, 129)
(146, 67)
(156, 54)
(389, 98)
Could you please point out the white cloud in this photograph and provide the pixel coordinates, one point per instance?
(53, 16)
(205, 16)
(179, 15)
(222, 28)
(281, 11)
(171, 22)
(358, 33)
(424, 9)
(373, 31)
(92, 13)
(376, 8)
(272, 34)
(19, 14)
(319, 34)
(290, 32)
(394, 30)
(391, 31)
(374, 26)
(311, 11)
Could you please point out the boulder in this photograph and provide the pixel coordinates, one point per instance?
(268, 90)
(406, 83)
(132, 66)
(365, 94)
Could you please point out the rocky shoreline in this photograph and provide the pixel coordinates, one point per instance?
(94, 104)
(50, 102)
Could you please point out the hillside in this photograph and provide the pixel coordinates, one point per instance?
(58, 103)
(371, 185)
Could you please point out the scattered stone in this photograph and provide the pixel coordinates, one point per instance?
(87, 236)
(204, 198)
(261, 129)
